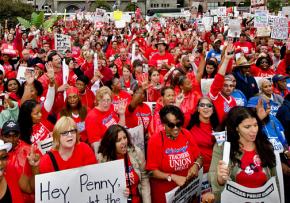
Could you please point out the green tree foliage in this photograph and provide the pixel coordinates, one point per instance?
(38, 21)
(274, 5)
(100, 4)
(131, 7)
(9, 10)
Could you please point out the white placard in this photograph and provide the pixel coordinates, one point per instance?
(21, 74)
(65, 74)
(234, 28)
(207, 22)
(62, 42)
(120, 23)
(44, 145)
(237, 193)
(280, 28)
(221, 11)
(205, 85)
(261, 18)
(96, 65)
(94, 183)
(186, 193)
(137, 136)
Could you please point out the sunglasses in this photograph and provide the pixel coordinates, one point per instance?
(66, 133)
(208, 105)
(262, 62)
(173, 125)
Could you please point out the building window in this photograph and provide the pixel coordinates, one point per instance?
(167, 5)
(212, 5)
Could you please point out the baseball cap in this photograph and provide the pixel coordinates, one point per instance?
(10, 126)
(279, 77)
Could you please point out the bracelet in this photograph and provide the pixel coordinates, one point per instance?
(198, 164)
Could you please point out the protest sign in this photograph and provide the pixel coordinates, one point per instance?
(207, 22)
(234, 28)
(137, 136)
(62, 42)
(213, 12)
(120, 24)
(21, 74)
(234, 192)
(221, 11)
(280, 28)
(263, 31)
(45, 145)
(205, 184)
(103, 182)
(261, 18)
(187, 193)
(205, 85)
(100, 12)
(117, 15)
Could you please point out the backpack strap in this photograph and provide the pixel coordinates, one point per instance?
(53, 160)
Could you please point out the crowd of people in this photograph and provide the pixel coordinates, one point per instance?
(50, 122)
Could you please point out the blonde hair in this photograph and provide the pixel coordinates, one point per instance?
(261, 83)
(101, 92)
(63, 124)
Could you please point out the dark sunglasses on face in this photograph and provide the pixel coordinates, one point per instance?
(173, 125)
(262, 62)
(66, 133)
(205, 105)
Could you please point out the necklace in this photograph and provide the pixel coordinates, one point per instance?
(171, 137)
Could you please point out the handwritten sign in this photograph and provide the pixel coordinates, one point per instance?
(235, 192)
(62, 42)
(234, 28)
(280, 28)
(21, 74)
(94, 183)
(261, 18)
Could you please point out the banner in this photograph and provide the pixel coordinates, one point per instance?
(237, 193)
(280, 28)
(94, 183)
(261, 18)
(186, 193)
(62, 42)
(137, 136)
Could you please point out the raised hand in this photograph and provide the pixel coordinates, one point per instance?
(33, 157)
(222, 172)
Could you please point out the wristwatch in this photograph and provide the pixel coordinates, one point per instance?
(169, 178)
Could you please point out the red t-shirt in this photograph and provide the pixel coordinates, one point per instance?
(245, 46)
(97, 122)
(155, 124)
(205, 141)
(251, 174)
(170, 156)
(150, 52)
(141, 116)
(88, 99)
(221, 103)
(157, 60)
(123, 96)
(259, 72)
(82, 155)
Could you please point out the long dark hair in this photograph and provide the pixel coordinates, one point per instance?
(212, 63)
(194, 119)
(67, 110)
(108, 143)
(25, 120)
(263, 147)
(19, 91)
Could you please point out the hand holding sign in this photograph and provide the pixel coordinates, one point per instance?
(222, 172)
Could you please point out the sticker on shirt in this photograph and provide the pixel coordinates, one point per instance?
(161, 62)
(109, 121)
(44, 145)
(81, 126)
(253, 167)
(245, 49)
(240, 102)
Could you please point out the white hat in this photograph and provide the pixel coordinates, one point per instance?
(6, 146)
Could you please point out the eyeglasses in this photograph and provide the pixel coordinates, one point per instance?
(4, 158)
(208, 105)
(66, 133)
(264, 61)
(173, 125)
(105, 101)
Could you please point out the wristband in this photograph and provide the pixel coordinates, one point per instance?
(198, 164)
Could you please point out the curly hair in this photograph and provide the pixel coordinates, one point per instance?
(171, 109)
(263, 147)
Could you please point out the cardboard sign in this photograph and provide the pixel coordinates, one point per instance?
(261, 18)
(62, 42)
(137, 136)
(271, 19)
(234, 28)
(280, 28)
(263, 31)
(187, 193)
(235, 192)
(207, 22)
(94, 183)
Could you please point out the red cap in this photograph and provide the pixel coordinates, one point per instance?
(40, 65)
(72, 90)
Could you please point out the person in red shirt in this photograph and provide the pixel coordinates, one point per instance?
(117, 140)
(103, 116)
(17, 155)
(74, 109)
(150, 51)
(173, 155)
(9, 190)
(201, 125)
(222, 88)
(122, 60)
(154, 89)
(72, 77)
(119, 95)
(162, 60)
(137, 112)
(263, 67)
(113, 50)
(86, 95)
(250, 166)
(244, 45)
